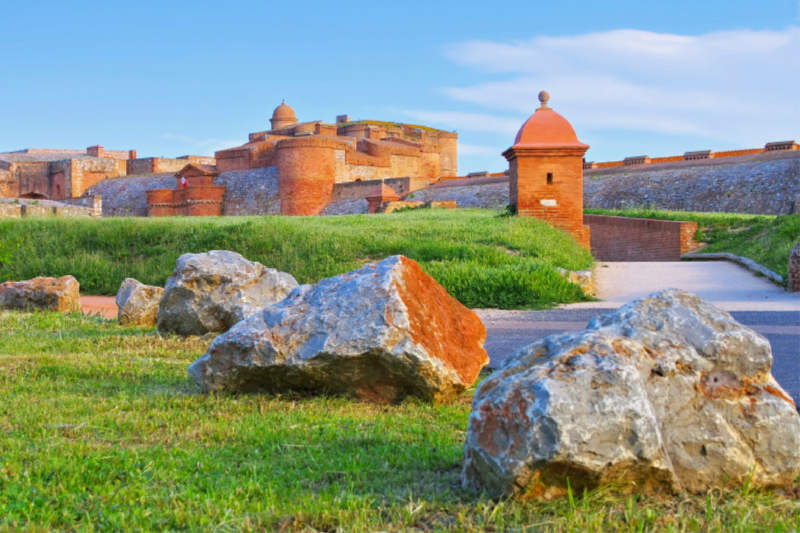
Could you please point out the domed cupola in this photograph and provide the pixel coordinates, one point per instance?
(282, 117)
(545, 167)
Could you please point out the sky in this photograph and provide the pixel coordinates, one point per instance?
(171, 78)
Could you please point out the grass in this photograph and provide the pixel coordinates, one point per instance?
(481, 259)
(101, 430)
(765, 239)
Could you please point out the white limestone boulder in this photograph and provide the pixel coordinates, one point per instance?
(137, 303)
(668, 392)
(213, 291)
(42, 294)
(380, 333)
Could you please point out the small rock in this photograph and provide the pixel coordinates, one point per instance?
(379, 333)
(42, 294)
(215, 290)
(668, 392)
(138, 303)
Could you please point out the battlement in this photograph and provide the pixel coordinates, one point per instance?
(693, 156)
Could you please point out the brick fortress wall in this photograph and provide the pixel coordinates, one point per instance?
(638, 239)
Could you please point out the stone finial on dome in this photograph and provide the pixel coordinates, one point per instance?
(544, 97)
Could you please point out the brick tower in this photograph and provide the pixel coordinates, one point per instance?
(546, 171)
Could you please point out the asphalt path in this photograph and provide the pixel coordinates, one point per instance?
(507, 331)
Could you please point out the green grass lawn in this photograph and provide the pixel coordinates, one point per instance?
(481, 259)
(101, 430)
(765, 239)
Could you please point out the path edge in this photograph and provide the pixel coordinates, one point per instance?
(745, 262)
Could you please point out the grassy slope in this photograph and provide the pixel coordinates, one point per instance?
(765, 239)
(101, 430)
(482, 260)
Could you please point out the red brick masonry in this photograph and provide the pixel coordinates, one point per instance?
(200, 198)
(639, 239)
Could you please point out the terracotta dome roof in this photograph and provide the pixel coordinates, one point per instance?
(284, 112)
(547, 129)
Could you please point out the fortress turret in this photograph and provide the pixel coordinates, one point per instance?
(546, 171)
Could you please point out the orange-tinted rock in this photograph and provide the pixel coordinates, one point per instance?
(666, 393)
(42, 294)
(380, 333)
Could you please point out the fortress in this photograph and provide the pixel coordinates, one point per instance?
(351, 167)
(312, 157)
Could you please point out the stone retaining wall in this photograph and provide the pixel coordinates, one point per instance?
(488, 196)
(767, 186)
(17, 208)
(249, 192)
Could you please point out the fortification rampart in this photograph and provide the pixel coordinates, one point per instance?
(763, 183)
(638, 239)
(781, 146)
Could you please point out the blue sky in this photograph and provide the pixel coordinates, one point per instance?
(173, 78)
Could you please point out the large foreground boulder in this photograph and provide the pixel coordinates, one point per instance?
(667, 393)
(137, 303)
(42, 294)
(379, 333)
(215, 290)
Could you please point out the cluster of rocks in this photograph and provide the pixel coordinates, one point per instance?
(666, 394)
(380, 333)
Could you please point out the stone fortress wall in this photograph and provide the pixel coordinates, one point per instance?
(54, 174)
(249, 192)
(758, 183)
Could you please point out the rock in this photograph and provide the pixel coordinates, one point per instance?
(42, 294)
(666, 393)
(582, 278)
(793, 283)
(215, 290)
(138, 303)
(379, 333)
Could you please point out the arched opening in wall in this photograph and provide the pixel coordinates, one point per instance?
(33, 196)
(359, 179)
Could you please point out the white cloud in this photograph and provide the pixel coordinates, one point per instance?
(739, 86)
